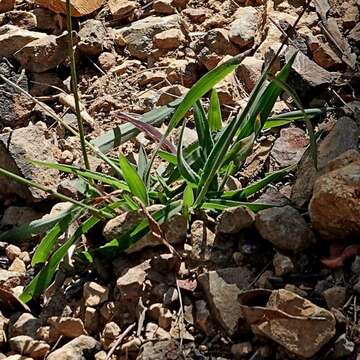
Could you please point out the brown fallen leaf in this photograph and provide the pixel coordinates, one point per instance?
(295, 323)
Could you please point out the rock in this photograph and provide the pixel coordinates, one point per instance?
(171, 93)
(95, 294)
(243, 29)
(154, 332)
(26, 345)
(323, 55)
(138, 36)
(202, 241)
(182, 71)
(354, 34)
(18, 266)
(48, 21)
(222, 288)
(15, 149)
(344, 136)
(307, 75)
(12, 252)
(121, 9)
(43, 54)
(13, 38)
(91, 319)
(196, 15)
(285, 228)
(171, 296)
(249, 71)
(289, 148)
(25, 324)
(232, 221)
(343, 347)
(3, 327)
(78, 7)
(93, 37)
(151, 77)
(175, 229)
(6, 5)
(110, 333)
(107, 60)
(335, 297)
(81, 348)
(23, 19)
(131, 283)
(43, 84)
(307, 327)
(166, 349)
(335, 207)
(241, 350)
(16, 216)
(282, 264)
(68, 326)
(164, 7)
(203, 318)
(169, 39)
(162, 315)
(213, 46)
(126, 66)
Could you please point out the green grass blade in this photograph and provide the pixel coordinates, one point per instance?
(221, 205)
(134, 181)
(142, 162)
(185, 170)
(188, 201)
(44, 249)
(44, 278)
(292, 116)
(87, 174)
(116, 246)
(203, 131)
(214, 162)
(201, 87)
(215, 117)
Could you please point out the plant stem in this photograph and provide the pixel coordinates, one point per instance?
(62, 197)
(74, 84)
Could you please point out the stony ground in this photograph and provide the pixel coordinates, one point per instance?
(280, 284)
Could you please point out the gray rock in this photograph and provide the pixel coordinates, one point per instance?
(26, 324)
(138, 36)
(344, 136)
(243, 29)
(343, 347)
(26, 345)
(222, 288)
(335, 297)
(93, 37)
(335, 207)
(233, 220)
(13, 38)
(165, 349)
(82, 348)
(289, 147)
(174, 229)
(282, 264)
(43, 54)
(23, 19)
(285, 228)
(15, 109)
(18, 215)
(202, 241)
(15, 149)
(3, 326)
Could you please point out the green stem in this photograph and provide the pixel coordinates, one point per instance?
(62, 197)
(75, 86)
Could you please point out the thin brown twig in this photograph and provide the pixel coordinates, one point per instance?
(119, 340)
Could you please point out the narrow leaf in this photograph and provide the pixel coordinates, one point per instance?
(215, 118)
(133, 180)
